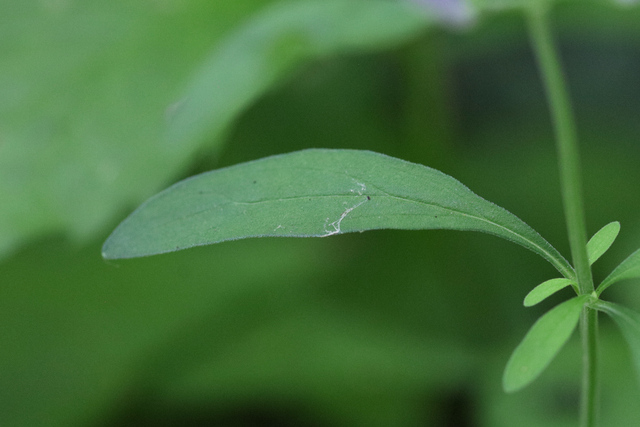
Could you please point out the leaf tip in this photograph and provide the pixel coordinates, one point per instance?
(545, 289)
(113, 248)
(106, 253)
(516, 377)
(602, 241)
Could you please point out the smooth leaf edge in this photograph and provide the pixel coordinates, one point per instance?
(617, 274)
(579, 302)
(546, 289)
(628, 321)
(192, 120)
(554, 258)
(594, 251)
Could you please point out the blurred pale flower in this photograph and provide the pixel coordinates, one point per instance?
(456, 12)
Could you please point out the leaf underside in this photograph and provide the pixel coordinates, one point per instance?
(541, 344)
(629, 323)
(314, 193)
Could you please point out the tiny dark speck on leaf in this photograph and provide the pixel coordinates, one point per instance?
(255, 182)
(435, 216)
(368, 197)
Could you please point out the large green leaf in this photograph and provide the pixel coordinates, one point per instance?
(314, 193)
(281, 38)
(88, 89)
(628, 269)
(541, 344)
(84, 90)
(629, 323)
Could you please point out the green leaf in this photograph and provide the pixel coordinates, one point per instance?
(541, 344)
(629, 323)
(545, 289)
(88, 92)
(628, 269)
(537, 5)
(602, 241)
(314, 193)
(85, 92)
(277, 41)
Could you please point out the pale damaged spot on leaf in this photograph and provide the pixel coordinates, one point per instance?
(334, 227)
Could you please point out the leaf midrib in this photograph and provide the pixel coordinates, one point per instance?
(563, 269)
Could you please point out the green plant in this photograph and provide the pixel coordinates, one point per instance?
(319, 193)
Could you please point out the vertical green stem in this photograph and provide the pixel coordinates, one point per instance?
(589, 398)
(570, 180)
(567, 146)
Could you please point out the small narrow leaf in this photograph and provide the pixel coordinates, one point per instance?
(629, 323)
(628, 269)
(602, 241)
(314, 193)
(541, 344)
(545, 289)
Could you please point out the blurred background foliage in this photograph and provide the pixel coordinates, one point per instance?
(383, 328)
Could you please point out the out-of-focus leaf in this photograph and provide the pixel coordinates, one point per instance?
(627, 2)
(545, 289)
(629, 323)
(87, 91)
(541, 344)
(628, 269)
(270, 46)
(553, 399)
(84, 90)
(498, 5)
(314, 193)
(602, 241)
(503, 5)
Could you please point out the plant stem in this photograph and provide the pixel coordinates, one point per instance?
(567, 146)
(589, 397)
(570, 181)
